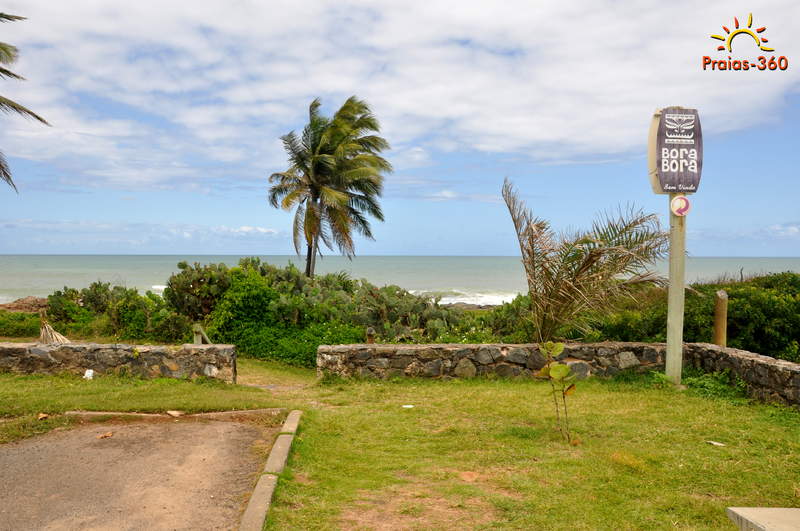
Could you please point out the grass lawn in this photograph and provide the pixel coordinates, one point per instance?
(478, 454)
(22, 397)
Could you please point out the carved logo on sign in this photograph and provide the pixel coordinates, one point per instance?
(679, 128)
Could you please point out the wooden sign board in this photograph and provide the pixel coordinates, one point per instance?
(675, 151)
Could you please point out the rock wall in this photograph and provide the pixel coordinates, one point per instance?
(186, 361)
(767, 378)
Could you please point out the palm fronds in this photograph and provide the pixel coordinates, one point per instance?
(334, 179)
(572, 275)
(8, 55)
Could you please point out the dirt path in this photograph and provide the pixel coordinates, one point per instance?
(184, 474)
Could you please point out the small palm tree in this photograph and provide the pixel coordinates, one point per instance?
(8, 55)
(571, 276)
(334, 179)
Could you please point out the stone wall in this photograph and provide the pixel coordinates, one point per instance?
(767, 378)
(186, 361)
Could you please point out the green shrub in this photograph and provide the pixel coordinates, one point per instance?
(248, 305)
(64, 306)
(278, 313)
(763, 316)
(195, 290)
(510, 321)
(97, 297)
(19, 324)
(300, 348)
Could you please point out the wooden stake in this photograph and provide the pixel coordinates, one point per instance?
(721, 318)
(677, 268)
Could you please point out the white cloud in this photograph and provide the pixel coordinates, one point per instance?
(150, 94)
(65, 234)
(450, 195)
(784, 230)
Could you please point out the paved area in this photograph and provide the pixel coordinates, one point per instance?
(169, 474)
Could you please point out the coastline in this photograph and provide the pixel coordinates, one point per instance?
(482, 281)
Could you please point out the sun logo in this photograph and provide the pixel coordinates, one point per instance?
(742, 31)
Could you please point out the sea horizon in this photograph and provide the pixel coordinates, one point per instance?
(472, 279)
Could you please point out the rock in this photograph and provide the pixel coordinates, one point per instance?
(378, 363)
(627, 359)
(650, 355)
(414, 369)
(580, 369)
(429, 354)
(210, 370)
(485, 355)
(462, 353)
(25, 304)
(363, 355)
(536, 360)
(504, 370)
(175, 413)
(465, 369)
(171, 365)
(518, 356)
(432, 369)
(401, 363)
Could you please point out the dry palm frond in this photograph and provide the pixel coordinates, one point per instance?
(49, 336)
(572, 275)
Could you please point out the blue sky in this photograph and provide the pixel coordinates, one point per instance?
(166, 118)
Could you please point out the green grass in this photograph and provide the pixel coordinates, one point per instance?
(22, 397)
(486, 452)
(478, 454)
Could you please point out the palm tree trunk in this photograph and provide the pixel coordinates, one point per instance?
(309, 259)
(311, 253)
(316, 252)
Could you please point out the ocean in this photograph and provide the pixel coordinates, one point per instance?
(470, 279)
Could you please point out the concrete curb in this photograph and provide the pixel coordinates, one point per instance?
(256, 512)
(211, 415)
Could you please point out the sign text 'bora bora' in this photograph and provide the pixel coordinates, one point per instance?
(675, 151)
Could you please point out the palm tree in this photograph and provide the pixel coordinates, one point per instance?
(571, 276)
(8, 55)
(334, 179)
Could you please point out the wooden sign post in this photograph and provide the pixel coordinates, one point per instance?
(675, 160)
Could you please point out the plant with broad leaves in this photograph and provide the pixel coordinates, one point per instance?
(562, 383)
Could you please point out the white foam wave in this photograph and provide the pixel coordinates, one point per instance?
(483, 298)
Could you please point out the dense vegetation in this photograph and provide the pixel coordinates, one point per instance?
(763, 317)
(267, 311)
(278, 313)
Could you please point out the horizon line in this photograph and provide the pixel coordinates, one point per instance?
(355, 257)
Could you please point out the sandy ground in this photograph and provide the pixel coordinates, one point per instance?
(183, 474)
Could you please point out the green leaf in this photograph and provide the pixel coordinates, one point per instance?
(544, 372)
(556, 348)
(559, 371)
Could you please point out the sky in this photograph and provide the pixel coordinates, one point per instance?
(166, 118)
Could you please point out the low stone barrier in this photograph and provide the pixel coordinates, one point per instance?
(767, 378)
(146, 361)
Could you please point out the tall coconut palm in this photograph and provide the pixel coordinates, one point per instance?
(572, 276)
(334, 179)
(8, 55)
